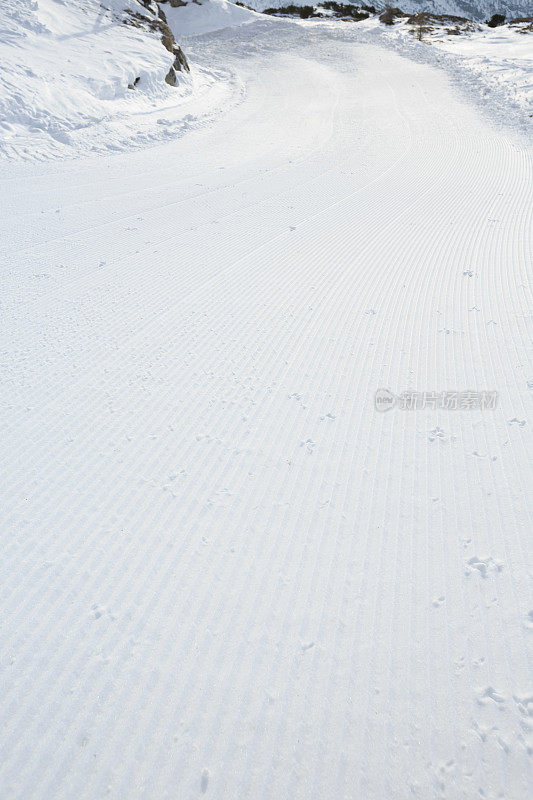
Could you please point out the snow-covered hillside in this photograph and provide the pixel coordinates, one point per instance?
(202, 16)
(472, 9)
(79, 74)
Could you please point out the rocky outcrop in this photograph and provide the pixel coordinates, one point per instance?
(153, 17)
(390, 14)
(180, 62)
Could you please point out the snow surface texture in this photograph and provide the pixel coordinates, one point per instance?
(65, 70)
(223, 573)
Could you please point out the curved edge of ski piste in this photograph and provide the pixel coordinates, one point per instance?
(497, 104)
(494, 102)
(213, 92)
(500, 105)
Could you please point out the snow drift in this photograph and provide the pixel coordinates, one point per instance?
(204, 16)
(71, 65)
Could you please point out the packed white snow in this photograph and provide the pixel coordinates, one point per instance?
(225, 573)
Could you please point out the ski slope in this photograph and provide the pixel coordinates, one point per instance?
(224, 574)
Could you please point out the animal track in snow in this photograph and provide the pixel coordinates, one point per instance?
(460, 663)
(489, 694)
(99, 611)
(448, 331)
(484, 455)
(484, 566)
(438, 433)
(298, 397)
(220, 499)
(524, 705)
(309, 444)
(168, 487)
(515, 421)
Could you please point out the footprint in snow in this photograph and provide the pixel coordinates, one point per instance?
(484, 455)
(524, 704)
(489, 694)
(484, 566)
(438, 433)
(97, 610)
(515, 421)
(329, 416)
(204, 781)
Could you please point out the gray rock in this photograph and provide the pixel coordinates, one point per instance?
(171, 78)
(180, 62)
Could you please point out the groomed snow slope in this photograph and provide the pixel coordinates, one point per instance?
(223, 573)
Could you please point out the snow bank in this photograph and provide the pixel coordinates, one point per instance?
(204, 17)
(499, 58)
(66, 67)
(502, 56)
